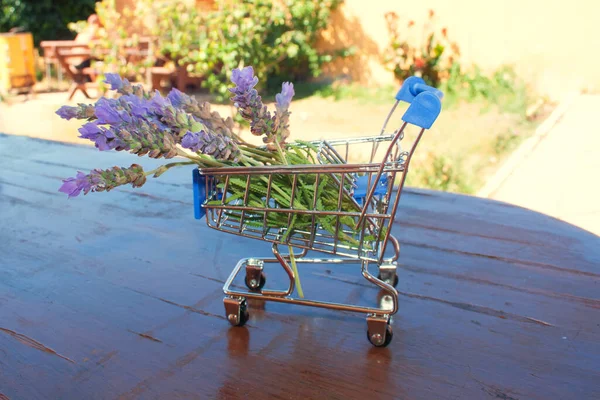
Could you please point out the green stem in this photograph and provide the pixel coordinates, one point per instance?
(281, 153)
(201, 159)
(247, 161)
(252, 156)
(165, 167)
(260, 152)
(296, 275)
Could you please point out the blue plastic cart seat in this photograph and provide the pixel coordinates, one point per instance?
(199, 185)
(360, 193)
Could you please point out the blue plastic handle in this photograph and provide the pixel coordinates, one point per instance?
(420, 88)
(425, 102)
(412, 87)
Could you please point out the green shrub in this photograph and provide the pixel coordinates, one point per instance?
(277, 38)
(45, 19)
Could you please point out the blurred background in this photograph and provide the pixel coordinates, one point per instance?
(520, 77)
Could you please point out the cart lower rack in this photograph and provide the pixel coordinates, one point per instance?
(354, 228)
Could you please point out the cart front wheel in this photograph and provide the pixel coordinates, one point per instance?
(376, 339)
(236, 311)
(254, 284)
(244, 317)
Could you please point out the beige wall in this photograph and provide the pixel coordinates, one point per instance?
(553, 44)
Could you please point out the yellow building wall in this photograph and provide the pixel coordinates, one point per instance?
(553, 44)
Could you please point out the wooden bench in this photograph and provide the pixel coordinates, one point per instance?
(69, 53)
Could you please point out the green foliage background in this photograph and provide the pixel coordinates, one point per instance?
(45, 19)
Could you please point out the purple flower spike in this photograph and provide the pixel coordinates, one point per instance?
(115, 81)
(220, 147)
(139, 107)
(74, 186)
(244, 79)
(177, 98)
(102, 143)
(81, 111)
(89, 131)
(191, 140)
(103, 180)
(121, 85)
(249, 103)
(102, 137)
(68, 112)
(106, 113)
(284, 98)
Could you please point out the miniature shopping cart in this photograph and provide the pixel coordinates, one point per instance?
(368, 186)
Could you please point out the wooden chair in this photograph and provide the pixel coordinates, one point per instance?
(160, 74)
(71, 54)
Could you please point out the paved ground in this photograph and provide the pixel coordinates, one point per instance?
(559, 177)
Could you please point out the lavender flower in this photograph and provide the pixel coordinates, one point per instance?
(158, 103)
(81, 111)
(251, 108)
(138, 107)
(74, 186)
(191, 140)
(244, 79)
(117, 83)
(103, 138)
(282, 115)
(128, 123)
(103, 180)
(153, 125)
(111, 111)
(220, 147)
(177, 98)
(200, 113)
(283, 99)
(249, 103)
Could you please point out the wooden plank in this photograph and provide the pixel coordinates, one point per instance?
(119, 296)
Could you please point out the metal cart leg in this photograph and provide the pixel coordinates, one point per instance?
(388, 273)
(388, 269)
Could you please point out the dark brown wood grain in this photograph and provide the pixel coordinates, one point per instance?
(119, 296)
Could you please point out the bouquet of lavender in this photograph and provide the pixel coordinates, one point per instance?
(178, 126)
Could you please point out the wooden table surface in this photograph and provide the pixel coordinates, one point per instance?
(119, 296)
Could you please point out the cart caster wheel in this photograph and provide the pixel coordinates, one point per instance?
(376, 340)
(236, 311)
(255, 285)
(245, 316)
(394, 283)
